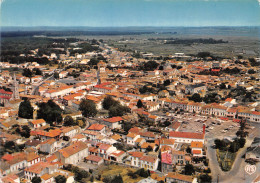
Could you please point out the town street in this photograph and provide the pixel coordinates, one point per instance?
(237, 173)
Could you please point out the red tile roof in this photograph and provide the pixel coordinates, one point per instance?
(196, 152)
(181, 177)
(189, 135)
(38, 167)
(104, 146)
(148, 134)
(136, 154)
(38, 121)
(151, 159)
(135, 130)
(118, 153)
(2, 91)
(94, 158)
(113, 119)
(7, 157)
(196, 144)
(96, 127)
(73, 149)
(175, 125)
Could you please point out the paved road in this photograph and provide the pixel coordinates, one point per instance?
(237, 173)
(34, 90)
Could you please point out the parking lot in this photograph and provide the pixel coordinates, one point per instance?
(215, 127)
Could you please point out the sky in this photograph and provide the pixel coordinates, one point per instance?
(121, 13)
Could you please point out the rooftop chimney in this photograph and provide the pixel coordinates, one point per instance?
(204, 127)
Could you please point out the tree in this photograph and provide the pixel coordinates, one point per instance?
(56, 75)
(118, 110)
(203, 54)
(37, 71)
(251, 71)
(36, 179)
(25, 109)
(91, 179)
(50, 112)
(149, 149)
(242, 142)
(179, 67)
(220, 144)
(212, 98)
(205, 178)
(108, 102)
(234, 146)
(127, 126)
(139, 104)
(27, 73)
(189, 169)
(188, 150)
(253, 62)
(60, 179)
(26, 131)
(174, 66)
(142, 173)
(241, 131)
(150, 66)
(117, 179)
(240, 57)
(166, 82)
(68, 121)
(93, 61)
(196, 97)
(9, 145)
(88, 108)
(222, 86)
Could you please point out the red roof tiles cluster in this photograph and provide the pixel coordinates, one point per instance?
(113, 119)
(189, 135)
(93, 158)
(73, 149)
(96, 127)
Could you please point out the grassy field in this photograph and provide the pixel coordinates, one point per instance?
(113, 170)
(225, 159)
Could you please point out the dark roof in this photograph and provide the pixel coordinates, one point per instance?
(32, 142)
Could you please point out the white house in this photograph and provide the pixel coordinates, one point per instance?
(131, 138)
(196, 148)
(105, 150)
(73, 153)
(49, 146)
(149, 162)
(135, 158)
(186, 137)
(37, 123)
(114, 122)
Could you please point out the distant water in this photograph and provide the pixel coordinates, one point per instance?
(217, 31)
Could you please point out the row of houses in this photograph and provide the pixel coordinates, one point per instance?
(214, 109)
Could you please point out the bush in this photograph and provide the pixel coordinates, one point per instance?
(205, 178)
(142, 173)
(220, 144)
(242, 142)
(207, 170)
(189, 169)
